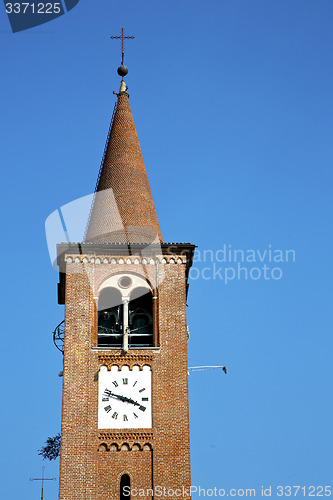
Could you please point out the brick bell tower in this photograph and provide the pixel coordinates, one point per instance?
(125, 417)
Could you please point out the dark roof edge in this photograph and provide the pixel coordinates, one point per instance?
(127, 248)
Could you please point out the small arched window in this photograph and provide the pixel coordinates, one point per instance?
(110, 318)
(125, 487)
(140, 318)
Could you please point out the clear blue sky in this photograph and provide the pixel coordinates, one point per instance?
(233, 105)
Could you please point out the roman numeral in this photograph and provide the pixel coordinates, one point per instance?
(135, 383)
(105, 399)
(125, 418)
(141, 390)
(144, 399)
(115, 415)
(115, 383)
(107, 408)
(125, 381)
(142, 408)
(107, 392)
(135, 415)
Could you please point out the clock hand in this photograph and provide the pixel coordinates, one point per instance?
(130, 400)
(118, 396)
(124, 399)
(135, 403)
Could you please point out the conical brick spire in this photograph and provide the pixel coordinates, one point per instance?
(123, 210)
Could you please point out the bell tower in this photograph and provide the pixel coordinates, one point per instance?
(125, 418)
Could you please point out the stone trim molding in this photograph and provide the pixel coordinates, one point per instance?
(133, 260)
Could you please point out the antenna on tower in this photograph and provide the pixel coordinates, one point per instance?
(201, 368)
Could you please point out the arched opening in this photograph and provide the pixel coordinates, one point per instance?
(140, 310)
(125, 487)
(110, 318)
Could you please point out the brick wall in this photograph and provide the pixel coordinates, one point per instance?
(93, 460)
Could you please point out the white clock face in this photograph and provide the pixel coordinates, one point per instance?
(124, 398)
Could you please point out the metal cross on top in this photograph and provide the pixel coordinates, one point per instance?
(42, 479)
(122, 37)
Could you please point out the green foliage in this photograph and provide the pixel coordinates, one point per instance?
(51, 450)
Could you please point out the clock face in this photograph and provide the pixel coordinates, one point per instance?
(124, 398)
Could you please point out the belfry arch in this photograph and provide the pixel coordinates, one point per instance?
(125, 313)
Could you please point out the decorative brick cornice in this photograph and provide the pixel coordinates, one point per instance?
(125, 441)
(125, 360)
(130, 436)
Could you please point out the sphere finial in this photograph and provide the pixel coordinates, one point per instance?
(122, 71)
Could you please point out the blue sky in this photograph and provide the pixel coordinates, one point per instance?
(232, 100)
